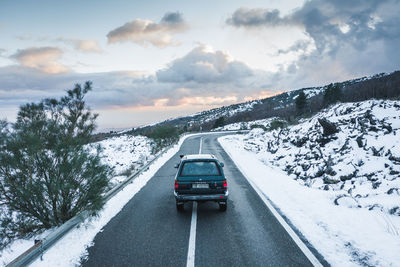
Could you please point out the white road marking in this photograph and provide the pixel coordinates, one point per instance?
(201, 144)
(192, 237)
(306, 251)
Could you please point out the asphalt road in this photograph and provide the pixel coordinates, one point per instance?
(149, 231)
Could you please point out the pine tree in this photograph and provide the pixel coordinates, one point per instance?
(47, 174)
(219, 122)
(332, 94)
(301, 103)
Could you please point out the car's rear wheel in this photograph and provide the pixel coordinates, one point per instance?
(222, 206)
(179, 206)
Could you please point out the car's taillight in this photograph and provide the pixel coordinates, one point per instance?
(176, 184)
(225, 184)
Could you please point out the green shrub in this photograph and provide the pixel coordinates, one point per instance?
(219, 122)
(275, 124)
(163, 136)
(258, 126)
(47, 174)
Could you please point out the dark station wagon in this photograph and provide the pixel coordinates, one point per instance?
(200, 178)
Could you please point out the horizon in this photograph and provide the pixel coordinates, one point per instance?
(154, 61)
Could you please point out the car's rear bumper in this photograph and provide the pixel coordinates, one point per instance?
(213, 197)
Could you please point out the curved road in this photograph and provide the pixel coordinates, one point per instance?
(149, 231)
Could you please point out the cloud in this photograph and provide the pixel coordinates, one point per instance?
(330, 24)
(144, 32)
(203, 65)
(341, 37)
(2, 51)
(245, 17)
(201, 77)
(84, 46)
(87, 46)
(41, 58)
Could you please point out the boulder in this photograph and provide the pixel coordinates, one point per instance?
(327, 126)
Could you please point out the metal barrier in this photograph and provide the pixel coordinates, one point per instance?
(41, 246)
(37, 250)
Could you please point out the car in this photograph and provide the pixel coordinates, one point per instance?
(200, 178)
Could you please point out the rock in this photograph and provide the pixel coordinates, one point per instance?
(387, 127)
(322, 141)
(368, 115)
(376, 152)
(375, 185)
(392, 190)
(376, 207)
(395, 160)
(319, 173)
(373, 129)
(328, 180)
(299, 142)
(347, 177)
(395, 211)
(359, 141)
(345, 146)
(328, 127)
(346, 201)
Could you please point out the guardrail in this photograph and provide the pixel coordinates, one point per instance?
(42, 245)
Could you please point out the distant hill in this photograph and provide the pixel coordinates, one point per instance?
(379, 86)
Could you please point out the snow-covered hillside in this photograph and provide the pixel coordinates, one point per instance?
(229, 111)
(341, 190)
(246, 125)
(126, 154)
(361, 161)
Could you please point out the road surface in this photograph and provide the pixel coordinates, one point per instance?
(149, 231)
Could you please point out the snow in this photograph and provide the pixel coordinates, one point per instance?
(246, 125)
(350, 215)
(209, 115)
(79, 239)
(125, 153)
(343, 234)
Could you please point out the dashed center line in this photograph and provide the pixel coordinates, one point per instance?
(201, 144)
(193, 224)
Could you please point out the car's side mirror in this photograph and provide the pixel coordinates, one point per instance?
(222, 164)
(176, 166)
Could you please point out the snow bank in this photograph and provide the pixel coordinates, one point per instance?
(245, 125)
(126, 154)
(341, 191)
(73, 246)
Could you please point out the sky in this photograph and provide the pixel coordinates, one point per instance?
(154, 60)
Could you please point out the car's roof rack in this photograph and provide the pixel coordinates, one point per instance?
(197, 156)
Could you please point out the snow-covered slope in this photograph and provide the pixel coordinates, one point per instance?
(213, 114)
(246, 125)
(126, 154)
(361, 162)
(342, 191)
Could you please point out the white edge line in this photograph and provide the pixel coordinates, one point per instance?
(192, 238)
(310, 256)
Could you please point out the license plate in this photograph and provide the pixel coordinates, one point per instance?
(200, 186)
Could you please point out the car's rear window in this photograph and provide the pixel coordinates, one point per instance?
(198, 168)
